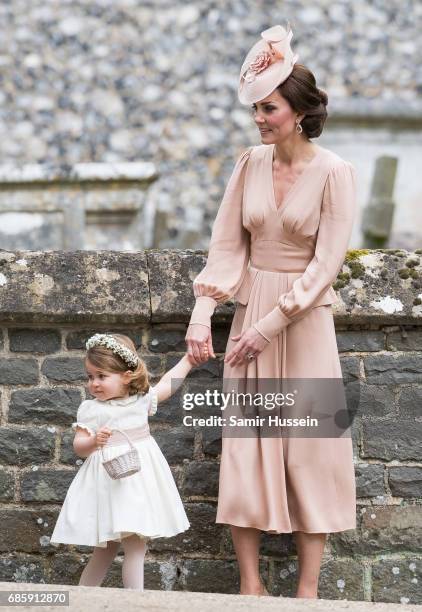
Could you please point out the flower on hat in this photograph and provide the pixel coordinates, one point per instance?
(261, 62)
(267, 64)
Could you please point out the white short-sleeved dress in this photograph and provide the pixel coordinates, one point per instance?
(97, 508)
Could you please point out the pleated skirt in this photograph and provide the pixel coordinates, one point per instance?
(287, 484)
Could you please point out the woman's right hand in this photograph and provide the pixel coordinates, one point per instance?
(199, 344)
(102, 436)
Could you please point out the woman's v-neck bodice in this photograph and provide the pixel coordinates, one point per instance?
(296, 184)
(297, 217)
(304, 241)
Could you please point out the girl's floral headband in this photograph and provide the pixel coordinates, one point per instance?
(111, 343)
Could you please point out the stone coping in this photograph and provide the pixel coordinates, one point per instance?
(399, 113)
(78, 173)
(102, 598)
(155, 286)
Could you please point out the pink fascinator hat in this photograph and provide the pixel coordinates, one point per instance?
(268, 63)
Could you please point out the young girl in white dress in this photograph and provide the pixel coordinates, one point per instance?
(98, 510)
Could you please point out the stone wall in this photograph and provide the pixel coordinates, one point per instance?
(85, 206)
(122, 80)
(51, 302)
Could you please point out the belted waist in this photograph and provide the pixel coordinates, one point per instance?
(134, 434)
(275, 256)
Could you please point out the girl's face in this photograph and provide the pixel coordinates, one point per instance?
(106, 385)
(275, 118)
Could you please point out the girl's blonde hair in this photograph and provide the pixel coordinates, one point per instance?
(104, 358)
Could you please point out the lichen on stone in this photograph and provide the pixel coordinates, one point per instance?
(344, 276)
(357, 269)
(387, 304)
(354, 254)
(342, 280)
(412, 263)
(404, 273)
(398, 252)
(338, 285)
(44, 540)
(408, 273)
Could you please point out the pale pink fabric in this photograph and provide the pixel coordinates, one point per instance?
(279, 265)
(135, 433)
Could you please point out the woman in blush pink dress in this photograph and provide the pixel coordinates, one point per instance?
(278, 243)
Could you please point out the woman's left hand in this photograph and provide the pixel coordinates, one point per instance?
(251, 342)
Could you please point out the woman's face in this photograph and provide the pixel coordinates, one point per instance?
(275, 118)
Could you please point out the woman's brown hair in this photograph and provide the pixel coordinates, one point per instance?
(303, 95)
(104, 358)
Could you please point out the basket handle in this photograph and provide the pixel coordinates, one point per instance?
(125, 435)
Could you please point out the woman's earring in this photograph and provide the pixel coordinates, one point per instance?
(299, 128)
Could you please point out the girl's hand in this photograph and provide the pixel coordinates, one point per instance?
(199, 342)
(250, 342)
(102, 436)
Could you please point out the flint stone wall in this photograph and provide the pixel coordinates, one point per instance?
(51, 302)
(123, 80)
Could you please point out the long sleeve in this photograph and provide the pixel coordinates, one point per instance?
(228, 253)
(334, 231)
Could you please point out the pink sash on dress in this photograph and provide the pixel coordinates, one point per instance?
(136, 433)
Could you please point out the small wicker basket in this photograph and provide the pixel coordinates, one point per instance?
(123, 465)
